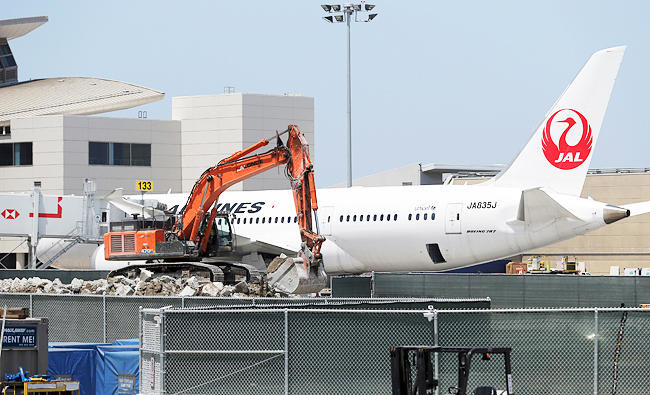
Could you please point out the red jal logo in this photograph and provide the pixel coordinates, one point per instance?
(565, 156)
(10, 213)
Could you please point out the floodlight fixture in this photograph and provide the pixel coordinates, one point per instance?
(350, 13)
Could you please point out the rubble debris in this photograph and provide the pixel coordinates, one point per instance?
(146, 283)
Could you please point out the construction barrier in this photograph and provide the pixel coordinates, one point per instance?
(326, 351)
(504, 290)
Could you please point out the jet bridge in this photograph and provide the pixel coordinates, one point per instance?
(35, 216)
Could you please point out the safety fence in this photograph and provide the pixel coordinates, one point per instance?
(325, 351)
(505, 290)
(106, 318)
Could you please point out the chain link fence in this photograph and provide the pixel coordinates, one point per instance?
(346, 351)
(106, 318)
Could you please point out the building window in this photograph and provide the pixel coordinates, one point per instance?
(16, 154)
(119, 154)
(5, 131)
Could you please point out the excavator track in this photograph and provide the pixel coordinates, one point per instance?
(228, 273)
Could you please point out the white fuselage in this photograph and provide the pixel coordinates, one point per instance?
(396, 228)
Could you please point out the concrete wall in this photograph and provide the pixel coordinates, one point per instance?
(46, 135)
(60, 154)
(216, 126)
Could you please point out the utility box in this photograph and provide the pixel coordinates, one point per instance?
(24, 343)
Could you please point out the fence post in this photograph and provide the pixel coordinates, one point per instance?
(286, 351)
(163, 347)
(104, 315)
(595, 351)
(140, 347)
(31, 306)
(182, 302)
(435, 355)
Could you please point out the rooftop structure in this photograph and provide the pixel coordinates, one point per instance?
(71, 95)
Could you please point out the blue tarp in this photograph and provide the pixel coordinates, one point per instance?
(116, 366)
(76, 363)
(127, 342)
(100, 368)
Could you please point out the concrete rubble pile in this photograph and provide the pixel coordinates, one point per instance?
(147, 285)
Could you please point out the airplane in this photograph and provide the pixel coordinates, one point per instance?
(532, 203)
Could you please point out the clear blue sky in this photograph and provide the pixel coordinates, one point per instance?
(433, 81)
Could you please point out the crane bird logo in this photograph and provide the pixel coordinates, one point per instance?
(565, 156)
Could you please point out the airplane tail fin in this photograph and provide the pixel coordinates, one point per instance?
(558, 155)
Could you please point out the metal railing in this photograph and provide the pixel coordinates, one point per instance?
(346, 351)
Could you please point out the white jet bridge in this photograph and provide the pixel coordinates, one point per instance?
(34, 216)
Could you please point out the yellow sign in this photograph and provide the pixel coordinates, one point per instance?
(144, 185)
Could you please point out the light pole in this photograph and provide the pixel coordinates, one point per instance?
(361, 14)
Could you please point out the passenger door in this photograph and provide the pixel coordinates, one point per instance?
(325, 219)
(452, 219)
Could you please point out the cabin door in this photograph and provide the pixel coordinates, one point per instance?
(452, 220)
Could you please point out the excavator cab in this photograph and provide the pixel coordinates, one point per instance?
(221, 236)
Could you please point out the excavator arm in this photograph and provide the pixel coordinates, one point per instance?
(189, 237)
(240, 166)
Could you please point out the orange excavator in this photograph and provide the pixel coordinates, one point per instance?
(195, 241)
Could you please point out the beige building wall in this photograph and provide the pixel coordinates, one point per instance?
(214, 127)
(625, 244)
(60, 154)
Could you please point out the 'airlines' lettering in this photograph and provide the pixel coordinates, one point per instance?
(241, 208)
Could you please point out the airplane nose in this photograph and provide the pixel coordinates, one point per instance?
(612, 214)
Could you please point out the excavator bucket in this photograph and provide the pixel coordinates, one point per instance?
(289, 275)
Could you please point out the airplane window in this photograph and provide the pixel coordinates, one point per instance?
(433, 216)
(257, 220)
(395, 217)
(282, 220)
(368, 217)
(361, 218)
(410, 216)
(244, 221)
(295, 220)
(374, 217)
(238, 219)
(328, 218)
(276, 220)
(263, 220)
(288, 220)
(381, 217)
(341, 219)
(388, 217)
(354, 218)
(425, 216)
(270, 219)
(347, 219)
(417, 217)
